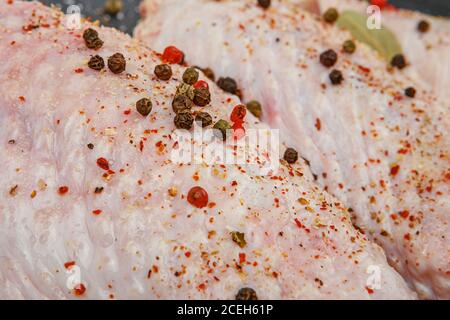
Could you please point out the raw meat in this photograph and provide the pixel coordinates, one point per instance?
(92, 205)
(383, 154)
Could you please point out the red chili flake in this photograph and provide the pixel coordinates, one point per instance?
(78, 70)
(202, 286)
(187, 254)
(234, 183)
(242, 258)
(238, 114)
(63, 190)
(22, 98)
(364, 69)
(299, 224)
(369, 290)
(69, 264)
(318, 124)
(97, 212)
(404, 214)
(201, 84)
(79, 289)
(103, 163)
(407, 236)
(198, 197)
(394, 170)
(173, 55)
(127, 112)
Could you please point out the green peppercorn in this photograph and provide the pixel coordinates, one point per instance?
(246, 294)
(398, 61)
(238, 238)
(163, 72)
(117, 63)
(190, 76)
(181, 103)
(330, 15)
(291, 155)
(202, 97)
(336, 77)
(92, 39)
(254, 107)
(410, 92)
(328, 58)
(96, 63)
(221, 128)
(349, 46)
(228, 85)
(264, 3)
(144, 106)
(184, 120)
(204, 119)
(186, 89)
(423, 26)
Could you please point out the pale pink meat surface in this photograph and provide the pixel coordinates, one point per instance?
(428, 53)
(383, 154)
(147, 242)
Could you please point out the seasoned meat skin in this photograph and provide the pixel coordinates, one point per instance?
(93, 207)
(428, 53)
(384, 155)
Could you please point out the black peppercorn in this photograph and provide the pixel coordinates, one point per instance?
(117, 63)
(92, 39)
(254, 107)
(336, 77)
(398, 61)
(349, 46)
(410, 92)
(184, 120)
(246, 294)
(264, 3)
(163, 72)
(202, 97)
(181, 103)
(144, 106)
(330, 15)
(291, 156)
(423, 26)
(221, 127)
(204, 119)
(190, 76)
(96, 63)
(90, 146)
(228, 85)
(328, 58)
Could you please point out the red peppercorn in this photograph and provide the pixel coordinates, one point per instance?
(103, 163)
(201, 84)
(63, 190)
(198, 197)
(238, 131)
(238, 114)
(380, 3)
(173, 55)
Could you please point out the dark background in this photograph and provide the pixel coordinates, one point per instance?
(128, 17)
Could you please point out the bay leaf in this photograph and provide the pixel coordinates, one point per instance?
(382, 40)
